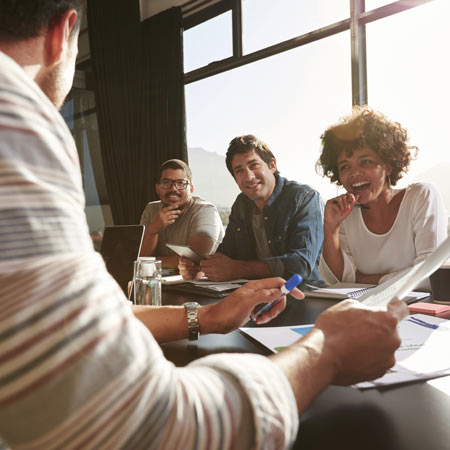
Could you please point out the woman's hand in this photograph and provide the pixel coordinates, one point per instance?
(337, 209)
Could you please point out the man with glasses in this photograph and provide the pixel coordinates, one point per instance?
(179, 217)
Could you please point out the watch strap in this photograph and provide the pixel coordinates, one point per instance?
(192, 320)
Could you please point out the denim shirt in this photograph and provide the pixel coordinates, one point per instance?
(293, 219)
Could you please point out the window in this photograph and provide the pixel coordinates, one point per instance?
(268, 22)
(210, 41)
(290, 98)
(79, 114)
(373, 4)
(408, 79)
(287, 101)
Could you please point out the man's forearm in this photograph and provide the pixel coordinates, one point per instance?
(169, 323)
(251, 270)
(306, 368)
(169, 261)
(149, 242)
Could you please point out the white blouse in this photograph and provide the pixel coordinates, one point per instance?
(418, 229)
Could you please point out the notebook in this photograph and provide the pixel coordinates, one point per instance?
(340, 291)
(120, 247)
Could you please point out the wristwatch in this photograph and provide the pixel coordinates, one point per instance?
(192, 319)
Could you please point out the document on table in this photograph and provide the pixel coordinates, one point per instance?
(204, 282)
(277, 338)
(203, 286)
(423, 353)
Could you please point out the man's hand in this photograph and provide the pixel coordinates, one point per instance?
(234, 310)
(349, 343)
(189, 270)
(165, 217)
(219, 267)
(359, 341)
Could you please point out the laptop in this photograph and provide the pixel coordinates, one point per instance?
(120, 247)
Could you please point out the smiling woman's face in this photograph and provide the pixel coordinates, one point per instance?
(363, 174)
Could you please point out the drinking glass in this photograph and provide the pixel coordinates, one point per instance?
(147, 281)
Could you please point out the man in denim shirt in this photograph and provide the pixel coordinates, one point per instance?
(276, 225)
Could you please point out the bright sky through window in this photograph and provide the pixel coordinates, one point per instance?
(289, 99)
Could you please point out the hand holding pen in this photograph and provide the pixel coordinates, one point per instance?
(292, 283)
(338, 208)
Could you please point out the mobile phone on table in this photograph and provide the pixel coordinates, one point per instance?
(186, 252)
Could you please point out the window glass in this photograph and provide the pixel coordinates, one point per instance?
(79, 114)
(210, 41)
(373, 4)
(408, 79)
(286, 100)
(268, 22)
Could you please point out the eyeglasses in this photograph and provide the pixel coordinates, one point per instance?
(181, 185)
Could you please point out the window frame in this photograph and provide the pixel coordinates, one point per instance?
(356, 23)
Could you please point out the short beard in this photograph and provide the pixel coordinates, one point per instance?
(181, 207)
(51, 88)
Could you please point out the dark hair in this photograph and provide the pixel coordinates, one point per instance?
(245, 144)
(176, 164)
(24, 19)
(366, 127)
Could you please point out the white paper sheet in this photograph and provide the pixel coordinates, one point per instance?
(423, 354)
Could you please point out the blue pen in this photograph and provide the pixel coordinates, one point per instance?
(290, 284)
(422, 323)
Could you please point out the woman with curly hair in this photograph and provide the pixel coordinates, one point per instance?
(374, 231)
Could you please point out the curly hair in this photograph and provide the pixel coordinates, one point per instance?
(366, 127)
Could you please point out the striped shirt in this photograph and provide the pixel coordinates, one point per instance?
(77, 369)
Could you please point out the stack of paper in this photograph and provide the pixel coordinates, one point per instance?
(423, 353)
(202, 286)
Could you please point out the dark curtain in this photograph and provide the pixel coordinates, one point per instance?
(139, 93)
(164, 121)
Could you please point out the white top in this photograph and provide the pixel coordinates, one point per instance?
(78, 370)
(419, 228)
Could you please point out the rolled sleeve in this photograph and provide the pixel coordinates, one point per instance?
(276, 266)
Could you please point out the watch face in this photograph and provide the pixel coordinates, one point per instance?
(191, 304)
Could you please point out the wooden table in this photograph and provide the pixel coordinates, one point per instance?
(415, 416)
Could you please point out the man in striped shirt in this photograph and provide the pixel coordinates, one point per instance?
(77, 369)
